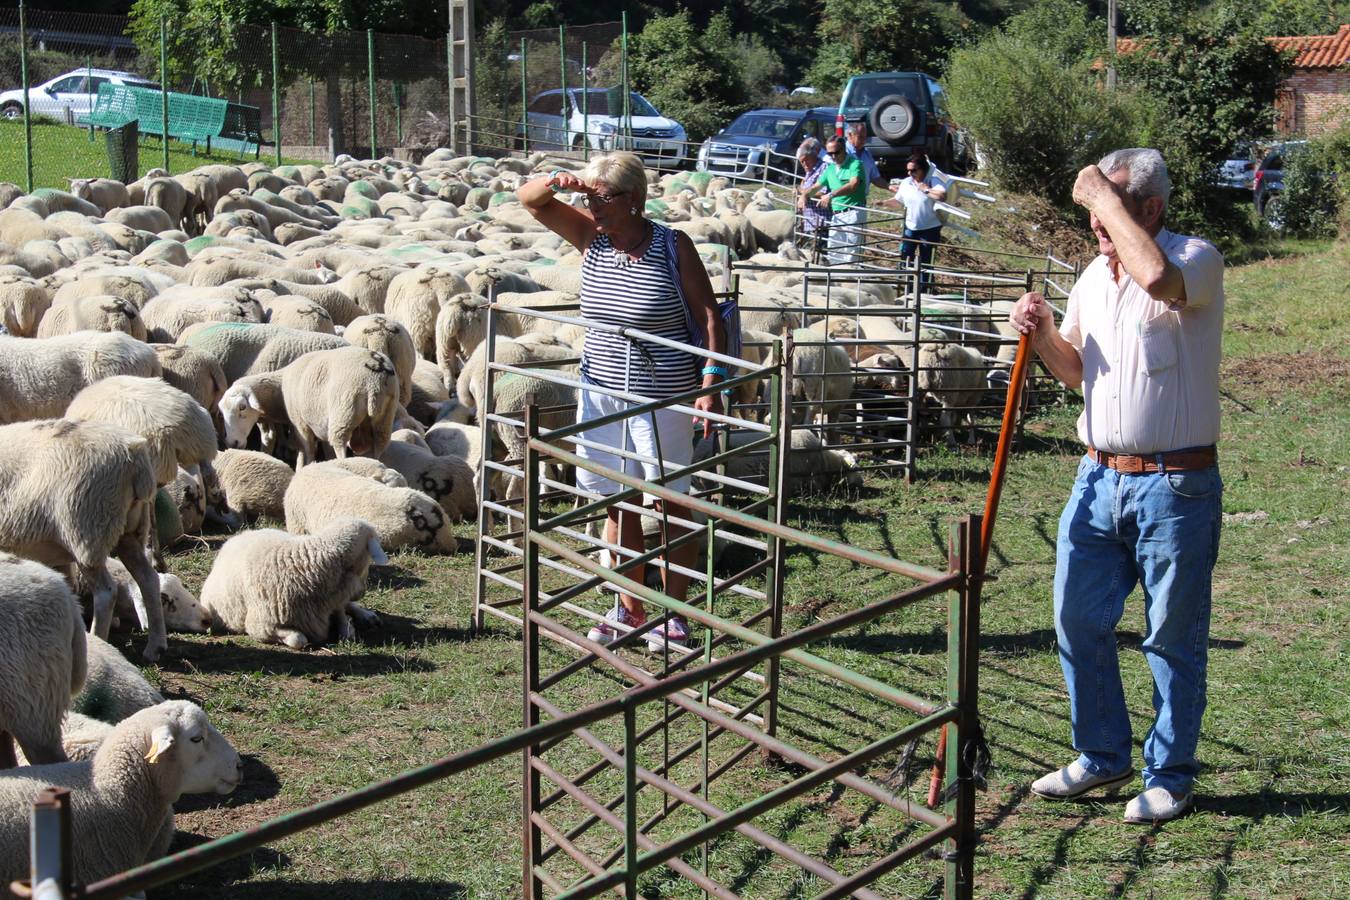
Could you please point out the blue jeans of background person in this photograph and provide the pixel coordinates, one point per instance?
(910, 244)
(1161, 531)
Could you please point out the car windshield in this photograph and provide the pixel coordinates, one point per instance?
(867, 91)
(759, 125)
(609, 102)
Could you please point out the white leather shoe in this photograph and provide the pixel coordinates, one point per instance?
(1074, 781)
(1156, 804)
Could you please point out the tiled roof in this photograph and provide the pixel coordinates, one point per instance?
(1314, 51)
(1317, 51)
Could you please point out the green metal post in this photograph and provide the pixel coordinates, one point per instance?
(27, 116)
(164, 87)
(89, 89)
(524, 98)
(963, 549)
(312, 132)
(370, 86)
(276, 94)
(450, 84)
(627, 119)
(531, 794)
(562, 68)
(398, 115)
(630, 814)
(585, 107)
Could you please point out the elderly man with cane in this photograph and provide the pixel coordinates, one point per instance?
(1141, 335)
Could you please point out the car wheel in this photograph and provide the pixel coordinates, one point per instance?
(893, 118)
(1273, 212)
(11, 111)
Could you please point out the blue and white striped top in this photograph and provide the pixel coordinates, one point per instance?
(641, 295)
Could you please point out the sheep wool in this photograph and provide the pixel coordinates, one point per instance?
(445, 479)
(384, 335)
(177, 429)
(345, 397)
(254, 483)
(292, 589)
(402, 517)
(39, 377)
(42, 657)
(81, 737)
(113, 688)
(122, 799)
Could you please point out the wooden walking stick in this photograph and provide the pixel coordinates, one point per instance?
(1005, 438)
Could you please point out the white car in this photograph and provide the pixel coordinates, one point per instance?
(657, 140)
(67, 97)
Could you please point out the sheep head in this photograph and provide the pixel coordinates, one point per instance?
(240, 409)
(184, 751)
(182, 611)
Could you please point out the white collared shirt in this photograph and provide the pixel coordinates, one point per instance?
(919, 211)
(1150, 371)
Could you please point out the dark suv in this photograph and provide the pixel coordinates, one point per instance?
(763, 142)
(904, 112)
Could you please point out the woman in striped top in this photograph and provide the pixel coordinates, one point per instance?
(626, 280)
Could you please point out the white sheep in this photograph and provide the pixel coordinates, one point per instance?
(122, 799)
(168, 315)
(42, 658)
(415, 298)
(295, 311)
(291, 589)
(23, 302)
(386, 335)
(245, 349)
(445, 479)
(954, 377)
(96, 313)
(75, 493)
(39, 377)
(254, 483)
(822, 374)
(193, 372)
(510, 395)
(346, 398)
(81, 737)
(429, 394)
(182, 611)
(402, 517)
(811, 465)
(114, 687)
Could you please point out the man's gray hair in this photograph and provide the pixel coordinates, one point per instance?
(809, 147)
(1148, 172)
(857, 128)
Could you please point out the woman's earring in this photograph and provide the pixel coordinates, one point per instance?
(633, 210)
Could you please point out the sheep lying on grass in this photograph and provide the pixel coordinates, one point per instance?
(122, 799)
(290, 589)
(401, 516)
(254, 483)
(113, 688)
(42, 658)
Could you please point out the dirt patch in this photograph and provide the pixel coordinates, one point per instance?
(1027, 224)
(1287, 370)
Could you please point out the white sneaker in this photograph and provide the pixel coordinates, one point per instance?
(604, 633)
(1157, 804)
(1074, 781)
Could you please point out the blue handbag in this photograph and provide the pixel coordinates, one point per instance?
(728, 310)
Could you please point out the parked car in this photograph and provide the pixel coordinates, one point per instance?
(904, 112)
(1237, 171)
(659, 141)
(1268, 183)
(762, 140)
(69, 96)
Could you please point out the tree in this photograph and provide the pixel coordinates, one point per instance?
(690, 77)
(1205, 82)
(879, 35)
(1036, 119)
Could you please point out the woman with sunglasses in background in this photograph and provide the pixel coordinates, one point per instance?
(917, 194)
(627, 279)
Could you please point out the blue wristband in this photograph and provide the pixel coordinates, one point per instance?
(715, 370)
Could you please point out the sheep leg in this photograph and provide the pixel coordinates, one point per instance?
(217, 505)
(132, 553)
(292, 638)
(947, 419)
(363, 617)
(309, 448)
(103, 596)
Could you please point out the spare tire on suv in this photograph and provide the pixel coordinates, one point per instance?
(893, 118)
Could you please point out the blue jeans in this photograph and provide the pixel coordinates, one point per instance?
(910, 244)
(1161, 531)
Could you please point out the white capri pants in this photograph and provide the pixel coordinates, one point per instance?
(845, 237)
(676, 431)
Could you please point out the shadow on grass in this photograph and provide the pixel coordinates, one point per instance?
(229, 655)
(260, 783)
(393, 578)
(401, 631)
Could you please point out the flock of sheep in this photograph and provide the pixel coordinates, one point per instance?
(298, 344)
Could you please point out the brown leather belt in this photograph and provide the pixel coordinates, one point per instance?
(1172, 461)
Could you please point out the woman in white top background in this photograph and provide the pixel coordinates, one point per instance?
(924, 186)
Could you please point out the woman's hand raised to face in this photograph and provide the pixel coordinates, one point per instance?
(568, 181)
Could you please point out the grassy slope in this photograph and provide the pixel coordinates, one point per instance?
(62, 152)
(1272, 814)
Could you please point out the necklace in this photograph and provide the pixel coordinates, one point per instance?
(622, 257)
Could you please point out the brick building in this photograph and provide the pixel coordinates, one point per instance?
(1317, 95)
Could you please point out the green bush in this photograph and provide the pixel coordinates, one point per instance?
(691, 75)
(1316, 198)
(1036, 119)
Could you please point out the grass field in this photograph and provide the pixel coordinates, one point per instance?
(62, 152)
(1272, 816)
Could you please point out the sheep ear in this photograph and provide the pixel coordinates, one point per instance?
(161, 740)
(253, 401)
(377, 555)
